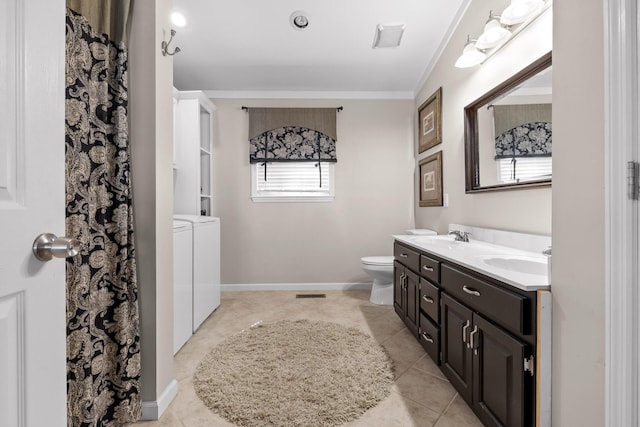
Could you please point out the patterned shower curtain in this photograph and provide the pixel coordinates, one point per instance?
(103, 343)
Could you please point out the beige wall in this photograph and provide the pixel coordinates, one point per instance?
(151, 76)
(577, 197)
(525, 210)
(316, 242)
(578, 215)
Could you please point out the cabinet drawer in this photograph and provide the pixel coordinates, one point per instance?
(430, 300)
(430, 338)
(406, 256)
(505, 307)
(430, 268)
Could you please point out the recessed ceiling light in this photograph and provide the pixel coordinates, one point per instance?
(388, 35)
(178, 19)
(299, 20)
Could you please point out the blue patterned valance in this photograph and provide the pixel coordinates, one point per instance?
(292, 144)
(527, 140)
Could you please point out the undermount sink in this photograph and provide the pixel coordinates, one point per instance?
(442, 241)
(520, 264)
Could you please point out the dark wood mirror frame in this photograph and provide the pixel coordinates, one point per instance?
(471, 139)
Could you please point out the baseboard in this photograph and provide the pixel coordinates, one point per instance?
(153, 410)
(296, 287)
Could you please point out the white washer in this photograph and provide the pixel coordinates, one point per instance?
(182, 283)
(206, 265)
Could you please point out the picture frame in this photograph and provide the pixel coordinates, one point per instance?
(430, 122)
(430, 190)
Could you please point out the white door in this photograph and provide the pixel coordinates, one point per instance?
(32, 292)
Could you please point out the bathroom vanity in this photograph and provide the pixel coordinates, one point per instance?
(475, 308)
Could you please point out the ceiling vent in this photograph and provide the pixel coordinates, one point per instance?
(388, 35)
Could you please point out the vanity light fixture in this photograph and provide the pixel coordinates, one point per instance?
(388, 35)
(494, 33)
(499, 29)
(299, 20)
(471, 56)
(521, 10)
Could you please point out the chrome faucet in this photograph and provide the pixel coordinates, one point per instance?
(461, 236)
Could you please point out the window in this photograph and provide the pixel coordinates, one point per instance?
(523, 169)
(292, 182)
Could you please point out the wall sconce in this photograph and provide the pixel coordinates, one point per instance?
(499, 29)
(165, 46)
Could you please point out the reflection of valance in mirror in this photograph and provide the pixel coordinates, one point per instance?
(292, 134)
(526, 140)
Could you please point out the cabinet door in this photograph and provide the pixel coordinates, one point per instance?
(413, 302)
(499, 377)
(455, 323)
(398, 287)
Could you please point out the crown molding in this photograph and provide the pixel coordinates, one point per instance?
(292, 94)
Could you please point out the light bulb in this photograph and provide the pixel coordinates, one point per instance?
(493, 35)
(521, 10)
(178, 19)
(470, 57)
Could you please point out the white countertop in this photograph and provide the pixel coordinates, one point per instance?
(502, 263)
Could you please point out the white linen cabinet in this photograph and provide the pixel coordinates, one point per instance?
(193, 145)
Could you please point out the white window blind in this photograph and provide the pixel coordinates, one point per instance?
(526, 169)
(292, 181)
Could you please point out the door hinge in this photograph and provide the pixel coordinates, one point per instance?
(529, 365)
(633, 180)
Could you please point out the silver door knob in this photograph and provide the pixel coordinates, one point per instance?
(47, 246)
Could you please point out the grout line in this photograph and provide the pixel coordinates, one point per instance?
(447, 408)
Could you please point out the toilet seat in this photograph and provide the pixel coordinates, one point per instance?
(378, 260)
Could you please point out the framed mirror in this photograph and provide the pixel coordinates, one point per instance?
(508, 131)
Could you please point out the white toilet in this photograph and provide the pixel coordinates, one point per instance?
(380, 268)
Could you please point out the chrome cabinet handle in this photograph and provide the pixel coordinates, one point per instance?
(426, 267)
(403, 255)
(427, 338)
(48, 246)
(475, 331)
(464, 331)
(470, 291)
(427, 299)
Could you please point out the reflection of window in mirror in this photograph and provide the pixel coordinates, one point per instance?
(514, 134)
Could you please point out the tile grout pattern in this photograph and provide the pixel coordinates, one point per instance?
(421, 395)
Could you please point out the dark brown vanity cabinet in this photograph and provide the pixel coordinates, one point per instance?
(405, 296)
(486, 365)
(480, 331)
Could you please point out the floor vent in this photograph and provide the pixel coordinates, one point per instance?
(311, 295)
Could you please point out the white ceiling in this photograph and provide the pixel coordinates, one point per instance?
(249, 45)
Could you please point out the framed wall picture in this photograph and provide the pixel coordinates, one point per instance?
(430, 191)
(430, 122)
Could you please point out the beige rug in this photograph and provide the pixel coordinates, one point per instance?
(300, 373)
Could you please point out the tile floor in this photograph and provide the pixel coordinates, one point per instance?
(421, 396)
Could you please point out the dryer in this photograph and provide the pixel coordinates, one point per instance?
(205, 265)
(182, 283)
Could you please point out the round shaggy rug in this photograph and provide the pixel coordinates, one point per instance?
(294, 373)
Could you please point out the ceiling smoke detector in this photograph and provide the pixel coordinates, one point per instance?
(299, 20)
(388, 35)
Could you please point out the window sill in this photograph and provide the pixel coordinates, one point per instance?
(291, 199)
